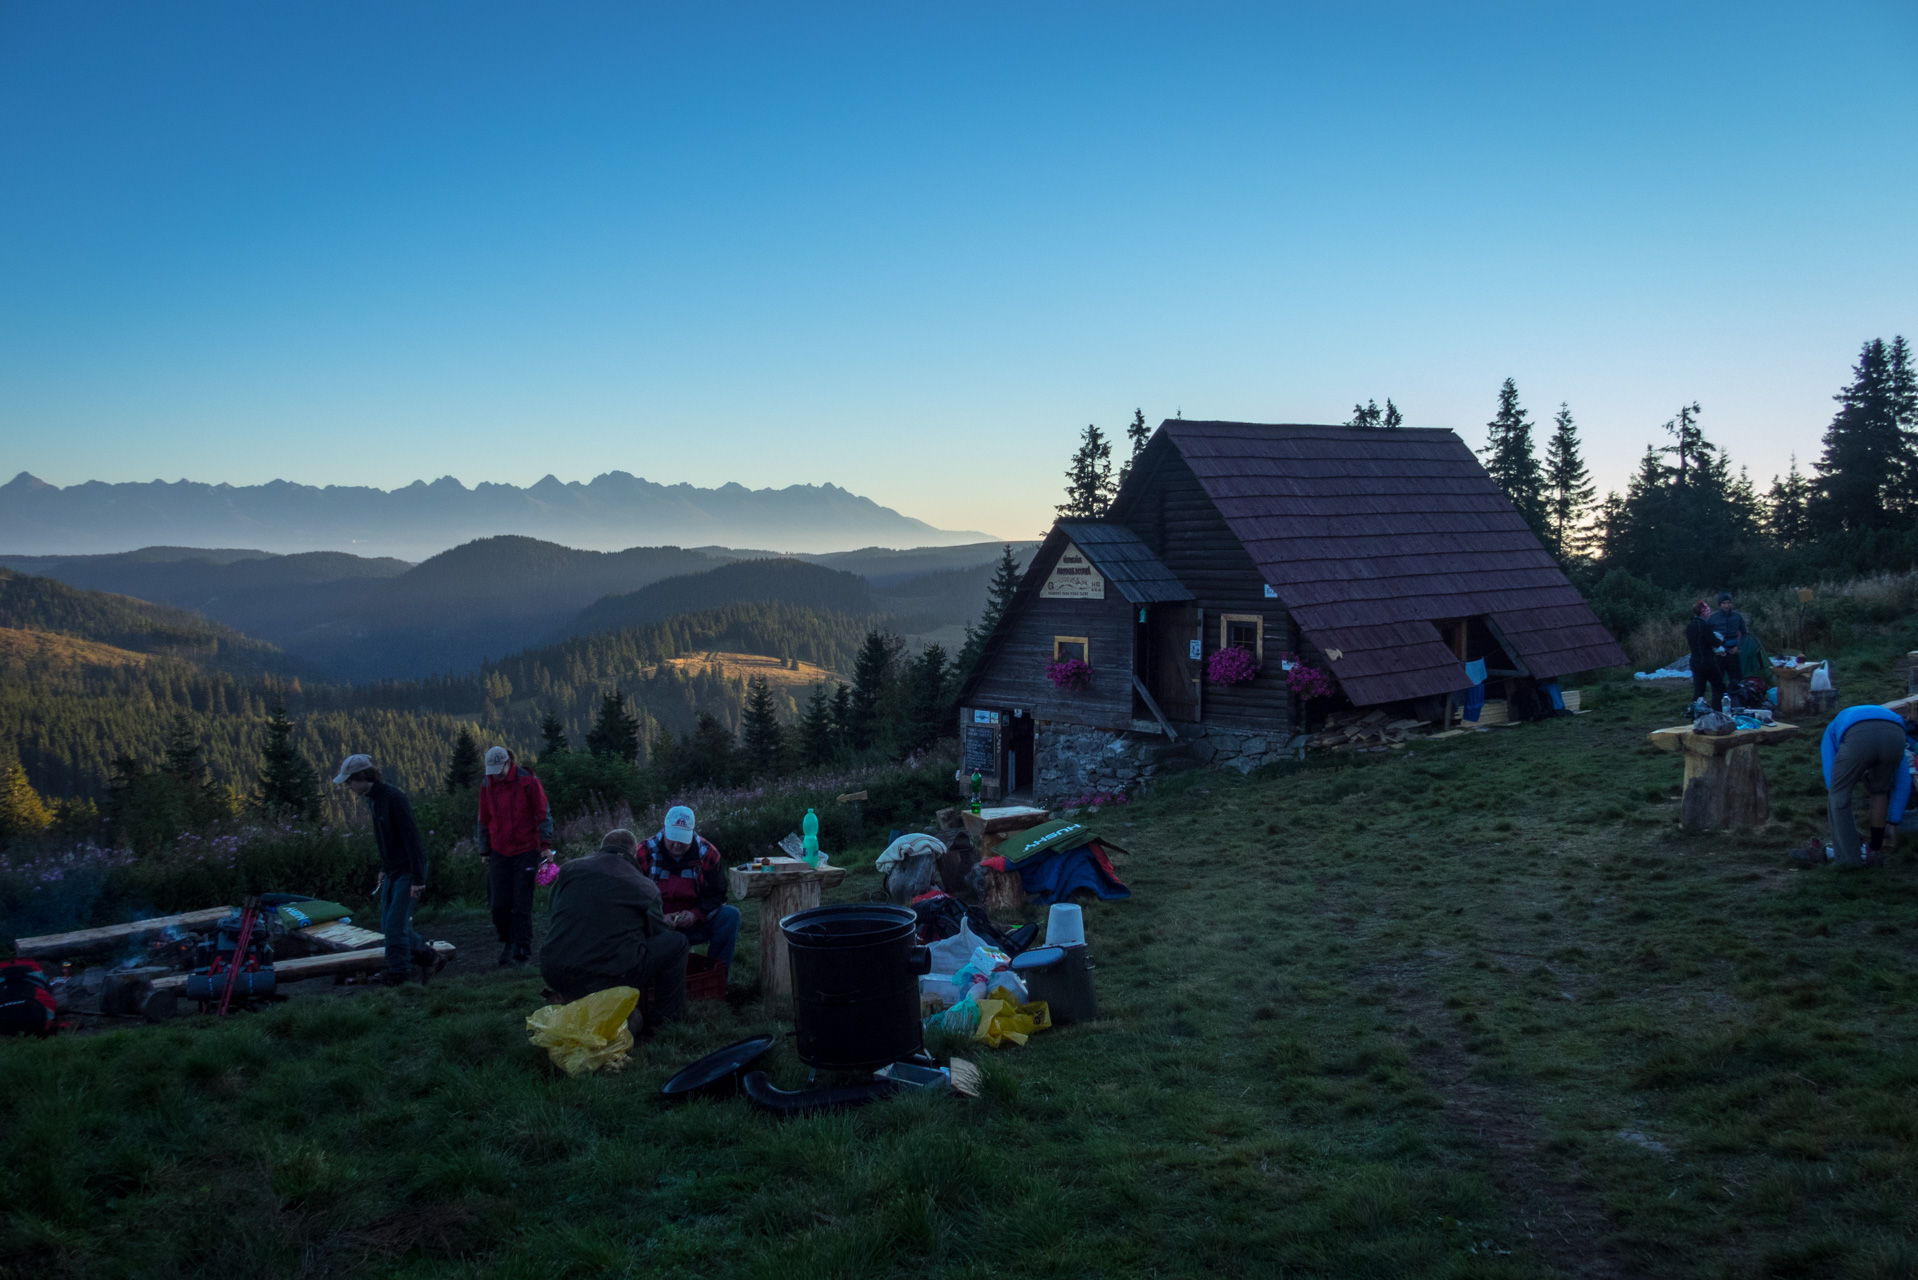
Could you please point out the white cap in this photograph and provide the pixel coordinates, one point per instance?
(497, 758)
(352, 765)
(679, 824)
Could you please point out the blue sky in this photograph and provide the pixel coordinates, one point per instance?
(913, 250)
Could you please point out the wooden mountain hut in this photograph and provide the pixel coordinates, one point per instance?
(1386, 559)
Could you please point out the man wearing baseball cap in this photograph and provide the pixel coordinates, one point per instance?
(691, 877)
(514, 822)
(402, 868)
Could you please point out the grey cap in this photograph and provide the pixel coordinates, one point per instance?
(497, 759)
(352, 765)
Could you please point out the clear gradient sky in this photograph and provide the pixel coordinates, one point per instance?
(913, 249)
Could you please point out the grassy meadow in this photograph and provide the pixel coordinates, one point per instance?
(1474, 1008)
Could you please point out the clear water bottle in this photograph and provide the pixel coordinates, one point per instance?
(1725, 703)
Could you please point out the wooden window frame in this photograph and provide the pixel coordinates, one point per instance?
(1084, 642)
(1256, 619)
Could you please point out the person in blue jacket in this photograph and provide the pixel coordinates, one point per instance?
(1865, 745)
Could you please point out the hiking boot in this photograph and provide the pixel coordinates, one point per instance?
(505, 954)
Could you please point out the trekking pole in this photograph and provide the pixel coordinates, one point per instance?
(239, 949)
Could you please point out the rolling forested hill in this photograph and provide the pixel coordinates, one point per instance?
(779, 580)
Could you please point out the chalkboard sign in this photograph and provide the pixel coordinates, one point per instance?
(981, 757)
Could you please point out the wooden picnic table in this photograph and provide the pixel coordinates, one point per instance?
(788, 885)
(1724, 785)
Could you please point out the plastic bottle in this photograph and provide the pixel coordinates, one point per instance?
(1725, 703)
(810, 827)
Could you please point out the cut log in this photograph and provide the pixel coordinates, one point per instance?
(1004, 890)
(1724, 789)
(366, 960)
(54, 945)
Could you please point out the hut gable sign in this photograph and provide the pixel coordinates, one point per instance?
(1073, 578)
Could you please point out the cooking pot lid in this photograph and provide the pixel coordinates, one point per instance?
(1039, 958)
(717, 1065)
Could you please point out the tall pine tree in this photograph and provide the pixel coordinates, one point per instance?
(1089, 478)
(552, 737)
(1568, 488)
(1510, 461)
(1788, 507)
(1136, 434)
(464, 773)
(1869, 471)
(288, 787)
(999, 593)
(841, 718)
(871, 672)
(1370, 415)
(816, 744)
(760, 732)
(615, 732)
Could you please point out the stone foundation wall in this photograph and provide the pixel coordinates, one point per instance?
(1072, 760)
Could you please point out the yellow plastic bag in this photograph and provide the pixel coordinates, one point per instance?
(1001, 1018)
(590, 1034)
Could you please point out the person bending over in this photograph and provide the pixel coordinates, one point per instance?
(514, 823)
(1865, 745)
(604, 929)
(402, 869)
(692, 883)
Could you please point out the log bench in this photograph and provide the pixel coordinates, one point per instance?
(81, 941)
(327, 965)
(1724, 784)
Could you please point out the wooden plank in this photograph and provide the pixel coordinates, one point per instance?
(998, 821)
(54, 945)
(339, 936)
(783, 871)
(322, 966)
(1153, 706)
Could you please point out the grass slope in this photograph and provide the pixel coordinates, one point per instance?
(1477, 1008)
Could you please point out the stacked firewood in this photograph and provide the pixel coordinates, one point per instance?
(1362, 730)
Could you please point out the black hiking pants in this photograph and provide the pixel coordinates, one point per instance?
(509, 892)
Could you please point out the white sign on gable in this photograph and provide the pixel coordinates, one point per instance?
(1073, 578)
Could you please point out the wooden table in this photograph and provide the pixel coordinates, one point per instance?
(789, 885)
(1724, 785)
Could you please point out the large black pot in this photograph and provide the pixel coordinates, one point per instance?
(856, 985)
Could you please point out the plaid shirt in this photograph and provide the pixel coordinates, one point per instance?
(696, 884)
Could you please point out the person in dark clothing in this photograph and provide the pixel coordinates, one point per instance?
(1706, 665)
(691, 876)
(402, 869)
(514, 824)
(605, 929)
(1728, 628)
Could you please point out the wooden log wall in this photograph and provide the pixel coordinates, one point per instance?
(1017, 676)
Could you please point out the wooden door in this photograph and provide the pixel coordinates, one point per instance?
(1174, 671)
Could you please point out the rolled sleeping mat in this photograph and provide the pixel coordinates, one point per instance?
(252, 984)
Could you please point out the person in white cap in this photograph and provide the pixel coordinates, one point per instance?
(514, 823)
(402, 868)
(691, 877)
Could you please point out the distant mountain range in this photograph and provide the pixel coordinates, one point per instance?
(382, 619)
(615, 510)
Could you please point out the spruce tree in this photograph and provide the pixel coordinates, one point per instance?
(1869, 470)
(871, 673)
(615, 732)
(1510, 461)
(1365, 415)
(464, 772)
(289, 787)
(1136, 433)
(552, 737)
(1393, 419)
(815, 734)
(1787, 507)
(841, 718)
(999, 593)
(710, 758)
(1089, 478)
(759, 730)
(1568, 488)
(22, 813)
(932, 694)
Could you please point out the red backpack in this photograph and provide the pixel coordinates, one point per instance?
(26, 1001)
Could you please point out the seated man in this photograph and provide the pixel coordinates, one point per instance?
(692, 882)
(1865, 745)
(605, 930)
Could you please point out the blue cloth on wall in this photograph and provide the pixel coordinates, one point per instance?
(1474, 702)
(1475, 671)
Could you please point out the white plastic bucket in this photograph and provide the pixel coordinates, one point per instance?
(1065, 926)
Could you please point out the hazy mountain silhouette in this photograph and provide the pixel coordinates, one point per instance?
(614, 510)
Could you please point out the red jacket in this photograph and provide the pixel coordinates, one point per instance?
(513, 818)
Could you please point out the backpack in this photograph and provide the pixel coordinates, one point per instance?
(26, 1001)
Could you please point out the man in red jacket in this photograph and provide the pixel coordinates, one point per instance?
(692, 885)
(513, 824)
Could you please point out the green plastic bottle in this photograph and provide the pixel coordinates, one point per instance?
(810, 829)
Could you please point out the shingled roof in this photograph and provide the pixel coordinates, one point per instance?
(1125, 561)
(1369, 535)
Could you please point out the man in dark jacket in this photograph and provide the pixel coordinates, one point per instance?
(1728, 626)
(691, 877)
(514, 823)
(1707, 666)
(402, 869)
(605, 929)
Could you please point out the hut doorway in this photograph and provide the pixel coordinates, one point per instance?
(1174, 645)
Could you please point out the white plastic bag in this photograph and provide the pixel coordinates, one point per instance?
(1821, 679)
(949, 955)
